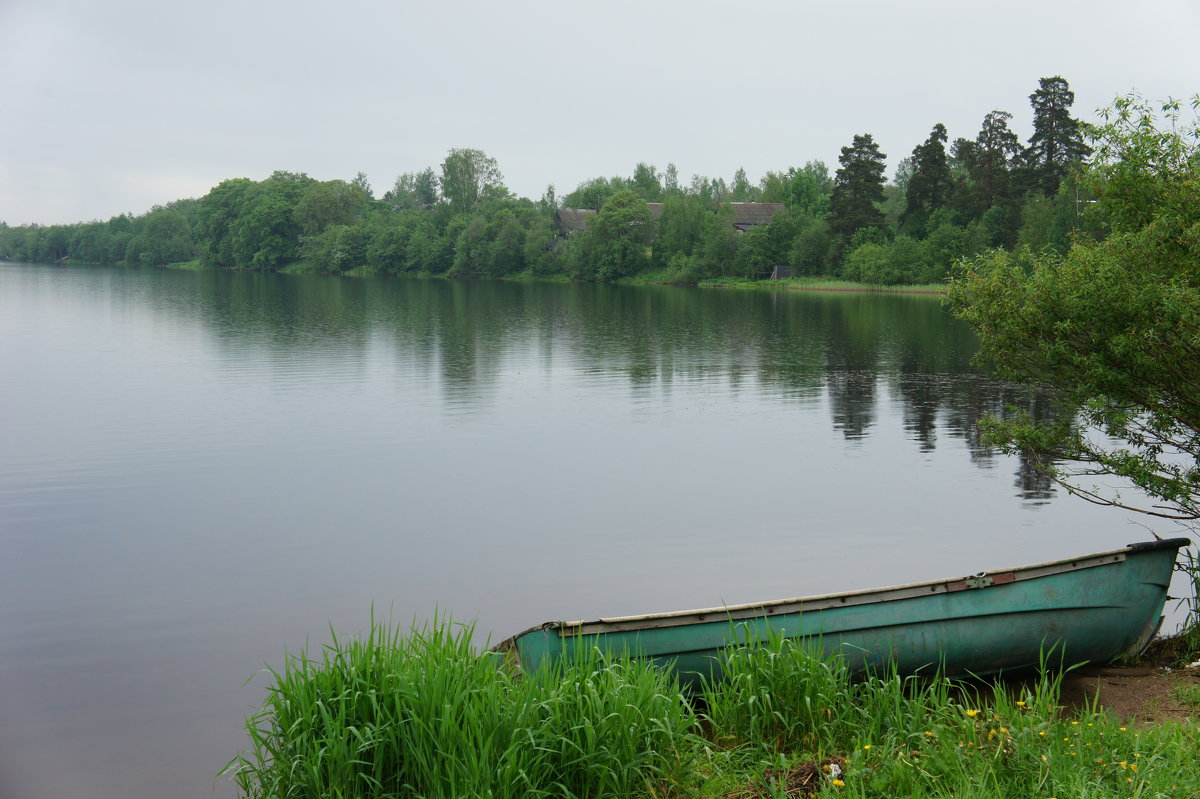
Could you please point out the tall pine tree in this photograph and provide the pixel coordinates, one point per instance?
(988, 161)
(929, 185)
(857, 187)
(1057, 141)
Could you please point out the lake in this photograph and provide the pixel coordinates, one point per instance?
(201, 470)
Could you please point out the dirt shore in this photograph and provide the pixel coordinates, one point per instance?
(1139, 694)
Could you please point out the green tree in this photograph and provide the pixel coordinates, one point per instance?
(616, 242)
(593, 193)
(809, 188)
(742, 190)
(718, 248)
(330, 202)
(506, 250)
(671, 180)
(1112, 327)
(265, 234)
(540, 244)
(165, 237)
(469, 176)
(928, 187)
(414, 190)
(988, 161)
(218, 212)
(772, 188)
(360, 180)
(857, 187)
(871, 262)
(1047, 222)
(1057, 140)
(811, 247)
(711, 191)
(904, 173)
(680, 228)
(646, 182)
(338, 248)
(548, 204)
(755, 253)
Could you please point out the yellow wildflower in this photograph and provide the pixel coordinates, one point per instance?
(866, 746)
(972, 714)
(1020, 704)
(928, 734)
(1042, 733)
(838, 784)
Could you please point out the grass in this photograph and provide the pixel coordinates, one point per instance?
(821, 284)
(1187, 694)
(193, 265)
(421, 712)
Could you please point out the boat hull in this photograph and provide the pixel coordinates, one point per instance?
(1092, 609)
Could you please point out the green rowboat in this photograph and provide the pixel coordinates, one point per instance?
(1092, 608)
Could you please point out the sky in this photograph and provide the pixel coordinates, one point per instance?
(114, 106)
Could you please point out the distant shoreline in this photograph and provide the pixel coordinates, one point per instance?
(816, 284)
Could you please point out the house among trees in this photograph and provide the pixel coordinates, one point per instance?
(745, 216)
(748, 215)
(572, 220)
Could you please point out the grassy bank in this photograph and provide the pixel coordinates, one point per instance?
(823, 284)
(659, 277)
(194, 265)
(421, 712)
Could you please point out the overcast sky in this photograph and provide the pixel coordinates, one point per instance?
(118, 105)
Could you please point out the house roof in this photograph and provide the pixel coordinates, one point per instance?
(745, 215)
(573, 220)
(751, 214)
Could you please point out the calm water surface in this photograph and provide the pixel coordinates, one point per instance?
(200, 470)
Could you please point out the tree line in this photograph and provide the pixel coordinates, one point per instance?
(947, 200)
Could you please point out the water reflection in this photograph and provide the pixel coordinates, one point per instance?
(854, 352)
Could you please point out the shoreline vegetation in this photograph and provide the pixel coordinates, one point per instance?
(948, 200)
(818, 284)
(829, 284)
(423, 711)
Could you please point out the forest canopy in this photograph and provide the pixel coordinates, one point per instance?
(949, 199)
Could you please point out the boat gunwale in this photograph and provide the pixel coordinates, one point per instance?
(779, 607)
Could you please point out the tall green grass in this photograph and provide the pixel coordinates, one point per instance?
(422, 713)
